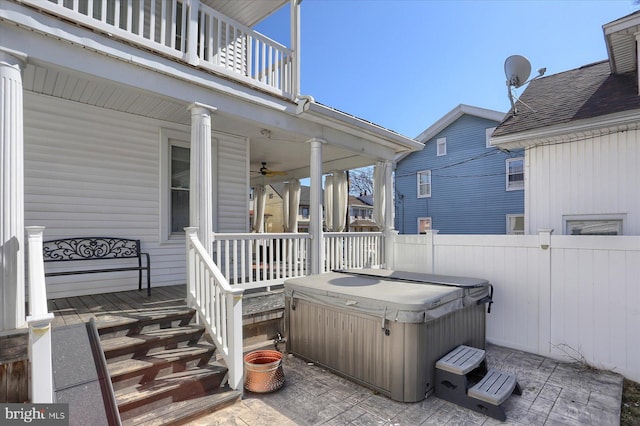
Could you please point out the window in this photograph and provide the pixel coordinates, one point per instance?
(174, 178)
(304, 212)
(424, 184)
(593, 225)
(424, 225)
(515, 174)
(515, 224)
(441, 146)
(179, 203)
(487, 136)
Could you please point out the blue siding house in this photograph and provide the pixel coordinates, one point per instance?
(459, 183)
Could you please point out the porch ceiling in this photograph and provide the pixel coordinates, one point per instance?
(280, 149)
(247, 12)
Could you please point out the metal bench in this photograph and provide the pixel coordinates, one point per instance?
(97, 248)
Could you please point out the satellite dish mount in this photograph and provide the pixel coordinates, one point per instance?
(517, 69)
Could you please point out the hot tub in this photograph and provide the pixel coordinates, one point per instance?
(384, 329)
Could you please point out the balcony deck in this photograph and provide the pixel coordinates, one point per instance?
(553, 392)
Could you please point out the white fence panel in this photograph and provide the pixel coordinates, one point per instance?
(569, 297)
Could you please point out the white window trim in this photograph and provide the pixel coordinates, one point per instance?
(622, 217)
(487, 135)
(514, 216)
(181, 139)
(513, 188)
(441, 142)
(418, 184)
(420, 219)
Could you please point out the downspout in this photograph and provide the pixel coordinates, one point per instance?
(303, 102)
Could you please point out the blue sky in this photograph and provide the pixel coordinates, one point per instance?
(403, 64)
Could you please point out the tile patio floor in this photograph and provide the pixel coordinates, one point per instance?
(553, 393)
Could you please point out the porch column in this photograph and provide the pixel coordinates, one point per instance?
(315, 206)
(390, 233)
(294, 7)
(200, 182)
(12, 249)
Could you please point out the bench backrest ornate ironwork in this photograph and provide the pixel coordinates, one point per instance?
(90, 248)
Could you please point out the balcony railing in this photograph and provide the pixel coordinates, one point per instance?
(189, 32)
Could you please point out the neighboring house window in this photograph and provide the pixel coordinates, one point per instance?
(487, 136)
(424, 225)
(179, 186)
(515, 224)
(593, 225)
(442, 146)
(304, 212)
(424, 184)
(515, 174)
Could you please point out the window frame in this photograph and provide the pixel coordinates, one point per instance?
(509, 186)
(441, 142)
(514, 216)
(424, 219)
(418, 192)
(169, 138)
(618, 218)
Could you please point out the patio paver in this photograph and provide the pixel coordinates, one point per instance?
(554, 393)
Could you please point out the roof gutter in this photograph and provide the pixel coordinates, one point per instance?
(308, 108)
(572, 131)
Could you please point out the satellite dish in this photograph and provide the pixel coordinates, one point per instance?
(517, 68)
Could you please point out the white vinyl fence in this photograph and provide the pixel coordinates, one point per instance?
(567, 297)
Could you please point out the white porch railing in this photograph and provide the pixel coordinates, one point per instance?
(250, 260)
(218, 305)
(353, 250)
(188, 31)
(39, 321)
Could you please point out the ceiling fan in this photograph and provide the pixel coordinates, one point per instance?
(264, 171)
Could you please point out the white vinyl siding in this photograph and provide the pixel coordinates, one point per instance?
(97, 172)
(441, 147)
(595, 176)
(232, 184)
(515, 174)
(424, 183)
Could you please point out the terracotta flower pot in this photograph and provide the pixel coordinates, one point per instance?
(263, 371)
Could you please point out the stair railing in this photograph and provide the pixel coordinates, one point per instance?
(39, 321)
(219, 306)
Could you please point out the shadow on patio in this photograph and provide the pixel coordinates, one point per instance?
(553, 393)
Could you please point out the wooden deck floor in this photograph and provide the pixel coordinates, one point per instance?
(256, 305)
(72, 310)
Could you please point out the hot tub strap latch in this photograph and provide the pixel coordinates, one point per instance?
(384, 322)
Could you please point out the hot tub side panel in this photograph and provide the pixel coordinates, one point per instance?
(349, 343)
(400, 364)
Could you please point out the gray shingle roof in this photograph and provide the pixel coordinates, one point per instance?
(586, 92)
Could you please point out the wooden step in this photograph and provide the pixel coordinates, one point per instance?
(128, 372)
(494, 388)
(183, 411)
(193, 382)
(151, 341)
(129, 324)
(461, 360)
